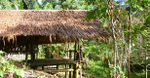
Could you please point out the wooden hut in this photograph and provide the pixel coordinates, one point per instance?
(23, 27)
(23, 30)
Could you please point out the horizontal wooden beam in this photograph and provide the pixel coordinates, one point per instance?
(46, 62)
(58, 70)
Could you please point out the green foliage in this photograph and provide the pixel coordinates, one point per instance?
(139, 11)
(2, 52)
(51, 51)
(147, 22)
(20, 5)
(97, 53)
(96, 50)
(114, 69)
(18, 73)
(48, 6)
(75, 4)
(137, 29)
(1, 73)
(98, 11)
(11, 4)
(98, 69)
(139, 75)
(5, 4)
(8, 66)
(66, 4)
(36, 6)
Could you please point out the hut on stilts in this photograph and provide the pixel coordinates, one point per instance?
(23, 30)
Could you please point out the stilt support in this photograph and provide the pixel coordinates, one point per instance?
(75, 72)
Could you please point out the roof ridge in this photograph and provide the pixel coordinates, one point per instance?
(43, 10)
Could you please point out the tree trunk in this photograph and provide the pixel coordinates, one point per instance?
(146, 64)
(129, 38)
(113, 33)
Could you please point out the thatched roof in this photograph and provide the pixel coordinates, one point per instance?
(63, 24)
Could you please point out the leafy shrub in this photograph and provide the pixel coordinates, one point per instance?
(98, 69)
(7, 66)
(116, 71)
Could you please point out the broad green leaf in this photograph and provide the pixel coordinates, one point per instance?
(1, 73)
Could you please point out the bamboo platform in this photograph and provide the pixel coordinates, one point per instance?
(46, 62)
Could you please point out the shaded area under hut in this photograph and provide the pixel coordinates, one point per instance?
(23, 30)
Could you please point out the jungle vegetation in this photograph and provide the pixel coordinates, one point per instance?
(125, 55)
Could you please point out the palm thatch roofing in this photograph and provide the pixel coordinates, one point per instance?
(62, 24)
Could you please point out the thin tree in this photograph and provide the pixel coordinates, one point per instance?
(129, 37)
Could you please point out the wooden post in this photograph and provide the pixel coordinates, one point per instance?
(37, 52)
(26, 56)
(27, 50)
(42, 67)
(80, 57)
(75, 48)
(70, 71)
(57, 66)
(70, 56)
(80, 68)
(75, 72)
(66, 72)
(33, 46)
(32, 52)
